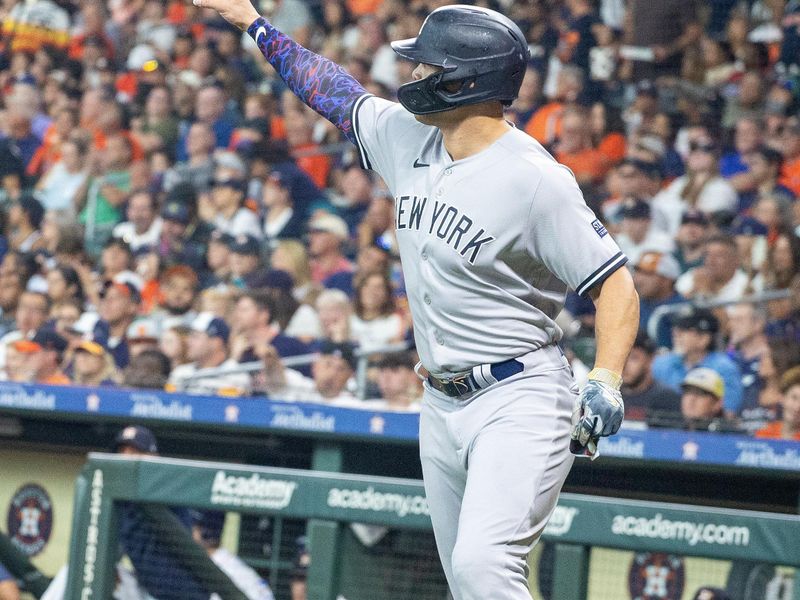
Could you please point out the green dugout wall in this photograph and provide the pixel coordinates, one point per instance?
(330, 500)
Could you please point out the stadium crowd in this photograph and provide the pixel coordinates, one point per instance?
(167, 206)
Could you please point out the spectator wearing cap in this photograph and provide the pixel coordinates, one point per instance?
(399, 385)
(43, 354)
(197, 169)
(645, 398)
(327, 233)
(227, 212)
(701, 187)
(719, 278)
(788, 427)
(281, 220)
(142, 335)
(207, 529)
(143, 227)
(253, 324)
(632, 178)
(244, 260)
(693, 336)
(702, 397)
(119, 305)
(654, 277)
(764, 165)
(637, 233)
(24, 221)
(92, 363)
(790, 147)
(183, 237)
(690, 239)
(330, 374)
(208, 348)
(750, 236)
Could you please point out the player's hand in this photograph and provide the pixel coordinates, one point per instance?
(239, 13)
(598, 412)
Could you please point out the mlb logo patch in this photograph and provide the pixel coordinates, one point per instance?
(599, 228)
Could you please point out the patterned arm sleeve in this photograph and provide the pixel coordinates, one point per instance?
(320, 83)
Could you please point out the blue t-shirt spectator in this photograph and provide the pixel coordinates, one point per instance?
(670, 370)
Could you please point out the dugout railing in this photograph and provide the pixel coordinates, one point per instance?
(330, 501)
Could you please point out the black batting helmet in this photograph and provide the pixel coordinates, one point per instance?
(479, 48)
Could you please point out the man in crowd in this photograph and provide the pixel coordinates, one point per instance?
(43, 355)
(690, 239)
(253, 326)
(327, 233)
(645, 398)
(227, 197)
(208, 349)
(119, 305)
(654, 276)
(244, 260)
(143, 227)
(399, 385)
(693, 336)
(720, 277)
(702, 393)
(637, 231)
(748, 345)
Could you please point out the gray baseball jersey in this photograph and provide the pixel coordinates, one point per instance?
(489, 244)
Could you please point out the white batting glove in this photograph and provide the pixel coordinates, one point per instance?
(598, 412)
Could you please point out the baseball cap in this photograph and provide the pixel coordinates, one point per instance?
(230, 160)
(658, 263)
(176, 211)
(699, 320)
(698, 217)
(342, 350)
(127, 288)
(93, 345)
(220, 237)
(705, 379)
(328, 223)
(647, 168)
(245, 244)
(209, 523)
(137, 437)
(635, 208)
(90, 326)
(48, 339)
(142, 58)
(143, 330)
(749, 226)
(211, 325)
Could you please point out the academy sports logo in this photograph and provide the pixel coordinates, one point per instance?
(30, 519)
(251, 492)
(656, 576)
(372, 500)
(561, 521)
(692, 533)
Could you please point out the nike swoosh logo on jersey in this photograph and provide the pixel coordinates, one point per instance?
(419, 165)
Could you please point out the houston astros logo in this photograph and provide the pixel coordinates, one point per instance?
(30, 519)
(656, 576)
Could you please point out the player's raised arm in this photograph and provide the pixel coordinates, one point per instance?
(320, 83)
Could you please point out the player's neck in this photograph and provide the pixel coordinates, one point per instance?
(472, 135)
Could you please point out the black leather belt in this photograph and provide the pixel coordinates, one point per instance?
(466, 383)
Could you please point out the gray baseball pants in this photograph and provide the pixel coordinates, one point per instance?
(493, 466)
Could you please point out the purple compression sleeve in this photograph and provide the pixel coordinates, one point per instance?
(320, 83)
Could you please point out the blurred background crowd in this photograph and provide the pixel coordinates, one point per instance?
(168, 207)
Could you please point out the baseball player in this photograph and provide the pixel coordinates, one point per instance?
(491, 231)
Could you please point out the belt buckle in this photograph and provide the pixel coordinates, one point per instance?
(457, 386)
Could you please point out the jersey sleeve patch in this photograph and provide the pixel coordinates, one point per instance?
(599, 228)
(601, 273)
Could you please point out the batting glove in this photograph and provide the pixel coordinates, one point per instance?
(598, 412)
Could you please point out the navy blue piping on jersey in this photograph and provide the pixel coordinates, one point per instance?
(602, 273)
(363, 159)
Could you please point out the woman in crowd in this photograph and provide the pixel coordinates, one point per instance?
(375, 321)
(788, 427)
(291, 256)
(64, 284)
(58, 187)
(93, 365)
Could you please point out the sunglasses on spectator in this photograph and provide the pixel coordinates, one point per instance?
(237, 184)
(702, 147)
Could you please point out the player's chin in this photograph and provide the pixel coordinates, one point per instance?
(427, 119)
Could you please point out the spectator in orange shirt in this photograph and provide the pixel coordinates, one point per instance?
(574, 147)
(791, 155)
(307, 153)
(545, 124)
(94, 29)
(44, 353)
(607, 136)
(788, 428)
